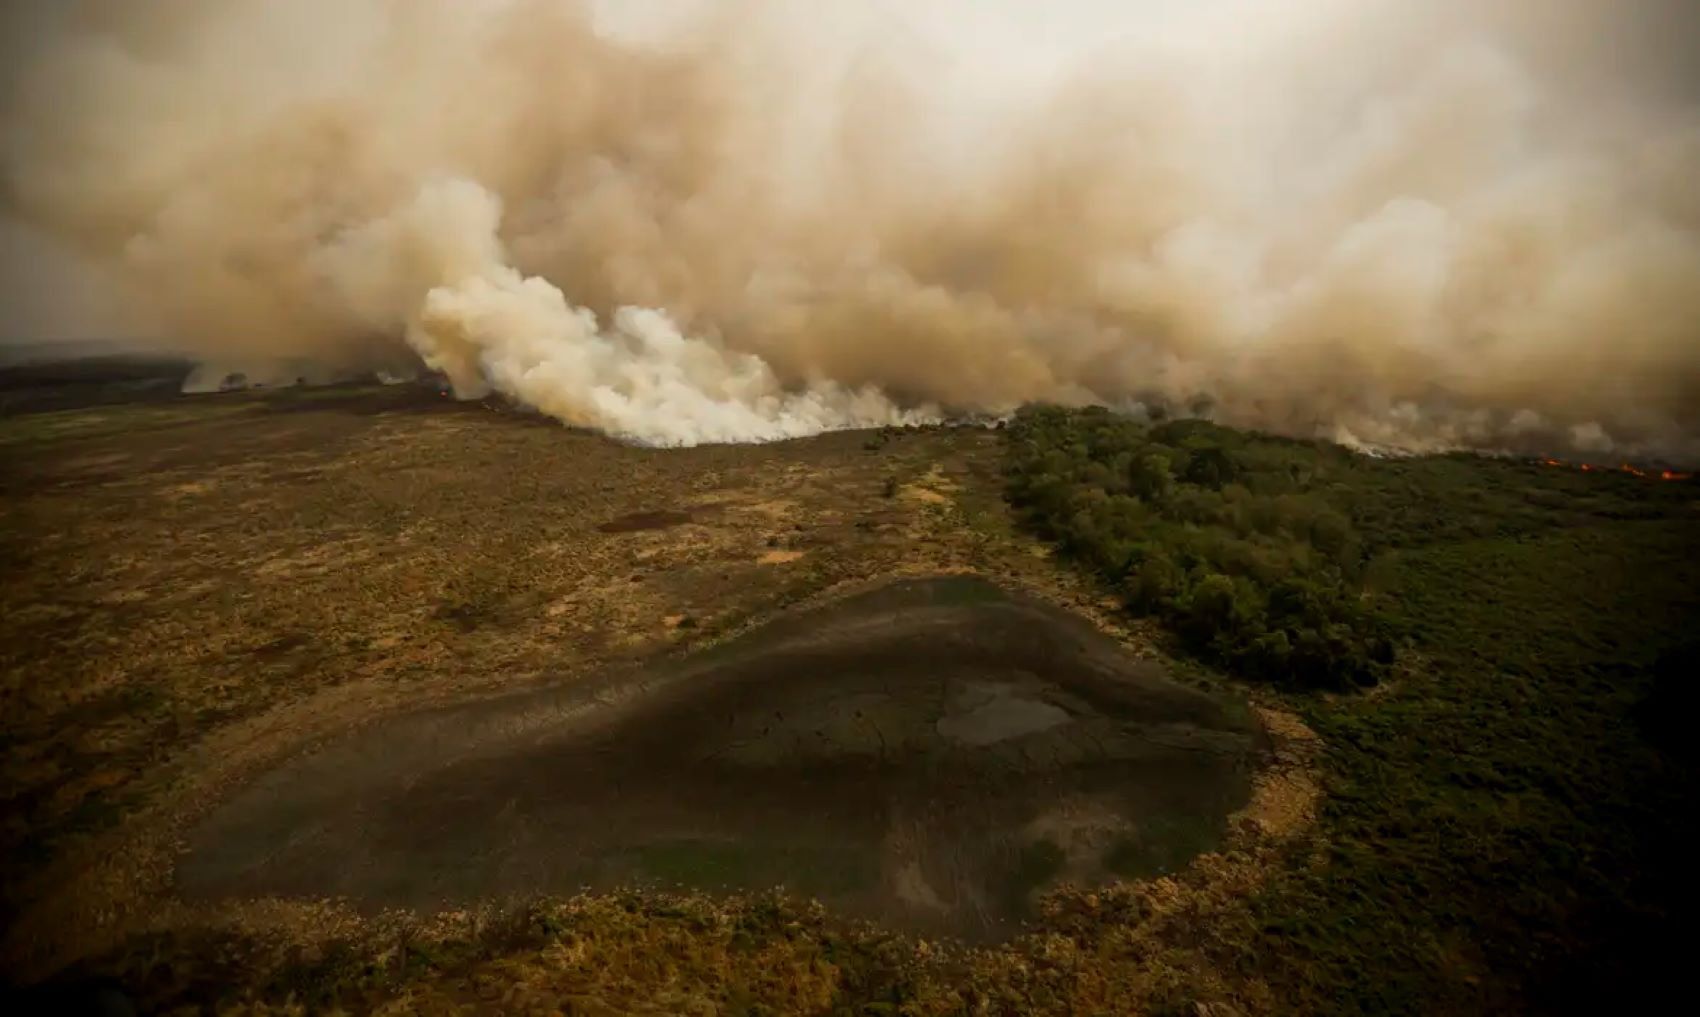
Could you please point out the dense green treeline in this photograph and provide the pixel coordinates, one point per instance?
(1262, 553)
(1505, 826)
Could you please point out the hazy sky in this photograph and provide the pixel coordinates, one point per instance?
(1430, 222)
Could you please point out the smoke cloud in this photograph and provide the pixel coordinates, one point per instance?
(1419, 225)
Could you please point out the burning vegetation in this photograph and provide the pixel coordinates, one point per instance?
(1648, 473)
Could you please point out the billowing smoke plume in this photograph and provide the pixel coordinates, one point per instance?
(481, 324)
(1420, 224)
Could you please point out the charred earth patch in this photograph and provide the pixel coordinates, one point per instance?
(929, 754)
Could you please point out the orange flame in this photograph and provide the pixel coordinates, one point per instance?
(1628, 468)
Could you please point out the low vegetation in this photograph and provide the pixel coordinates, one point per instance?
(1504, 824)
(1497, 655)
(1260, 553)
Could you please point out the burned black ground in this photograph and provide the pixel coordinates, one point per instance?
(929, 754)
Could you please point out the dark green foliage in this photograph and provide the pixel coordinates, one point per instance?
(1510, 823)
(1256, 550)
(1673, 699)
(1506, 827)
(1210, 466)
(1231, 542)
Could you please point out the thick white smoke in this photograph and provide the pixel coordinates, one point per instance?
(1421, 224)
(486, 325)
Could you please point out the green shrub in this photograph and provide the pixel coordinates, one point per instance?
(1210, 467)
(1156, 581)
(1152, 478)
(1246, 549)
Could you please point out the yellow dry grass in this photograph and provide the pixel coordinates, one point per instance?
(193, 596)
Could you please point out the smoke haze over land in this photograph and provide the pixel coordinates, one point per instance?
(1416, 224)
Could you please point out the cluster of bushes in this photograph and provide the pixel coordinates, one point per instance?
(1233, 540)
